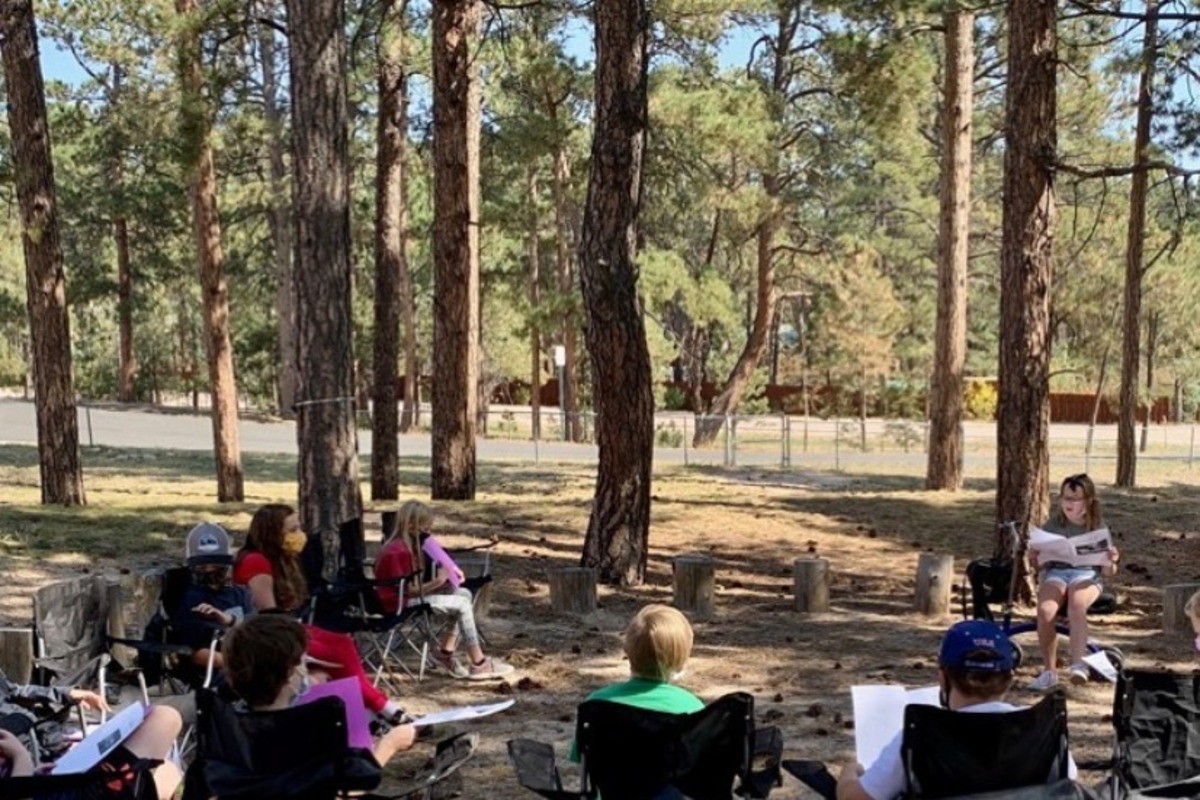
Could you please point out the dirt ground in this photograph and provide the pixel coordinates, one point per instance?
(754, 523)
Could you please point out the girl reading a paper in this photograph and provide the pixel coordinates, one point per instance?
(1061, 582)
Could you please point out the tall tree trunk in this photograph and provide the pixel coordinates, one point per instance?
(455, 248)
(727, 400)
(1135, 245)
(127, 361)
(1026, 267)
(325, 429)
(1151, 344)
(279, 220)
(535, 303)
(944, 468)
(619, 527)
(127, 390)
(206, 226)
(389, 250)
(569, 323)
(45, 281)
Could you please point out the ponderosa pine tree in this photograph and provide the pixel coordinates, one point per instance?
(945, 462)
(619, 526)
(45, 280)
(455, 249)
(206, 226)
(1026, 261)
(391, 216)
(325, 429)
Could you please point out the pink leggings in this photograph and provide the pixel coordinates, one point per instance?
(339, 648)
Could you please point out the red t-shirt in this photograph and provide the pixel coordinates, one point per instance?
(394, 561)
(251, 565)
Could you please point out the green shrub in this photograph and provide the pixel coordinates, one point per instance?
(980, 400)
(668, 435)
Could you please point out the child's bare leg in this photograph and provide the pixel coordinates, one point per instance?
(1079, 600)
(153, 739)
(1050, 597)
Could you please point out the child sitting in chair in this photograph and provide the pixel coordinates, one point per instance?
(211, 602)
(975, 672)
(658, 643)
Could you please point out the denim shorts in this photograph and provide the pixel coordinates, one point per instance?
(1069, 576)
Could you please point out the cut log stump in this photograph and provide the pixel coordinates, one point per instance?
(1175, 617)
(935, 574)
(573, 590)
(695, 584)
(811, 584)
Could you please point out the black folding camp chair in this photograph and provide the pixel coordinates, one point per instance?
(956, 754)
(1156, 752)
(299, 753)
(70, 625)
(634, 754)
(351, 605)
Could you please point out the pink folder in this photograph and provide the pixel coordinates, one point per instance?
(358, 727)
(435, 551)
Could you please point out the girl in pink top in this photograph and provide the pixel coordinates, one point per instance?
(405, 555)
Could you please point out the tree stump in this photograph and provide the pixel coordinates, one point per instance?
(935, 573)
(694, 584)
(16, 654)
(1175, 597)
(811, 584)
(573, 590)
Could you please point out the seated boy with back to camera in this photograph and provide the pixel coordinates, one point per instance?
(975, 672)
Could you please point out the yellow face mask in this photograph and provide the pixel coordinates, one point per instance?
(294, 541)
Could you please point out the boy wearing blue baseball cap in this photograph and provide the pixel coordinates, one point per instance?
(975, 671)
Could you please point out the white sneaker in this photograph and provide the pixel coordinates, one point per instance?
(490, 669)
(1044, 682)
(447, 664)
(1080, 674)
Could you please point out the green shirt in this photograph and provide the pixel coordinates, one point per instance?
(649, 694)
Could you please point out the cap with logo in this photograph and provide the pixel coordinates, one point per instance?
(207, 543)
(977, 645)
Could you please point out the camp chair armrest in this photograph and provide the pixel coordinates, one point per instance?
(537, 771)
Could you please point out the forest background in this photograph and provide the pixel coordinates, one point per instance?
(854, 141)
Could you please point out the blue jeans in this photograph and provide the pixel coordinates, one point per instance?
(1069, 577)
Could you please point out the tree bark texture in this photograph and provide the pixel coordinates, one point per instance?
(45, 280)
(206, 227)
(390, 205)
(569, 323)
(455, 250)
(533, 248)
(325, 429)
(1135, 245)
(1026, 266)
(127, 389)
(282, 229)
(619, 527)
(944, 469)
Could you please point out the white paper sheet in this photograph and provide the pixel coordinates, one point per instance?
(462, 713)
(1099, 662)
(879, 715)
(101, 741)
(1086, 550)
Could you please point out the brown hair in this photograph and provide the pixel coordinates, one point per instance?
(658, 642)
(266, 537)
(1081, 482)
(979, 684)
(260, 655)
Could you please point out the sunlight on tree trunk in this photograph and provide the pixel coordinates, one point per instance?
(619, 527)
(326, 434)
(1135, 268)
(206, 226)
(945, 463)
(45, 281)
(455, 249)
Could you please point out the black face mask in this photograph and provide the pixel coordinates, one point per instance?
(211, 579)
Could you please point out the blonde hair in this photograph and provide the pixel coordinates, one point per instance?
(413, 518)
(658, 642)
